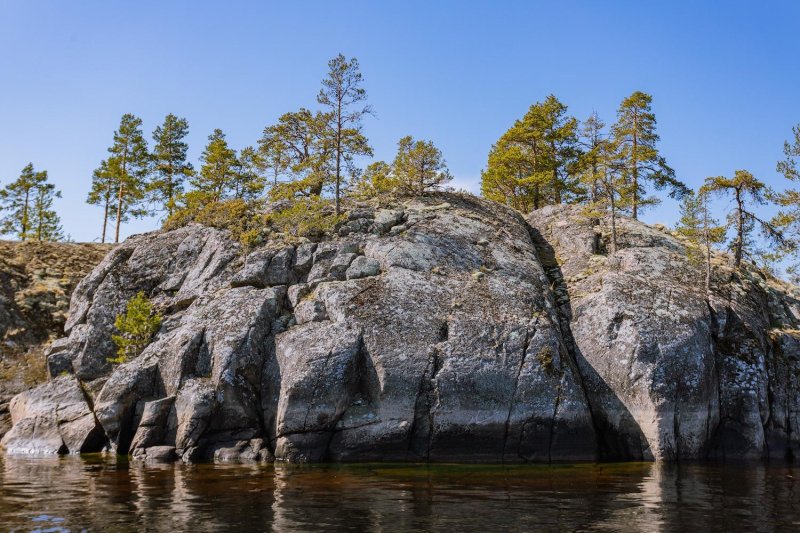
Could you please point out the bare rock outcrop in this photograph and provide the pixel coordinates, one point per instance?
(674, 371)
(445, 328)
(423, 332)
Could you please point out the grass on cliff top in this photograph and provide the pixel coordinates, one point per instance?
(71, 261)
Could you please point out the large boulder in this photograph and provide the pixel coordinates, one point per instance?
(53, 418)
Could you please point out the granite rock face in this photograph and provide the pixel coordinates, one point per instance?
(447, 328)
(673, 371)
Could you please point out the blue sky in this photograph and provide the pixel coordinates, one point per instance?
(725, 77)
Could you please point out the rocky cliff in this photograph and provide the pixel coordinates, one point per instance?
(446, 328)
(36, 280)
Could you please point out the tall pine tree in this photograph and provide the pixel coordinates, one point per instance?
(45, 222)
(16, 199)
(747, 191)
(419, 166)
(218, 172)
(635, 136)
(170, 165)
(103, 191)
(129, 164)
(300, 146)
(343, 97)
(534, 163)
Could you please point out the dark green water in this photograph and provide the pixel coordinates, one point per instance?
(98, 494)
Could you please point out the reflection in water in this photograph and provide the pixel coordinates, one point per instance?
(99, 493)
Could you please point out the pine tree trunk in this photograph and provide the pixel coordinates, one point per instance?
(613, 225)
(105, 220)
(338, 152)
(119, 213)
(24, 221)
(635, 171)
(739, 244)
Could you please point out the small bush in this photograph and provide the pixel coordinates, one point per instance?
(242, 218)
(136, 326)
(305, 217)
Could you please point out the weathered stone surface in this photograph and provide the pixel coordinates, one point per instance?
(673, 372)
(362, 267)
(446, 329)
(254, 271)
(53, 418)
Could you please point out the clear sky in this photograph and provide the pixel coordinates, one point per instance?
(725, 76)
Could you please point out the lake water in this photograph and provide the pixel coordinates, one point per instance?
(105, 494)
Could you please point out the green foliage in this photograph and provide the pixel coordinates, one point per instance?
(225, 175)
(121, 178)
(790, 167)
(242, 218)
(700, 229)
(343, 96)
(746, 191)
(635, 137)
(417, 168)
(45, 222)
(170, 165)
(534, 163)
(217, 175)
(136, 328)
(788, 217)
(376, 181)
(298, 147)
(305, 217)
(28, 202)
(103, 189)
(248, 182)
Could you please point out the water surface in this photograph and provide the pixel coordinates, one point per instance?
(106, 494)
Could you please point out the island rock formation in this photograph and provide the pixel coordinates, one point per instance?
(444, 328)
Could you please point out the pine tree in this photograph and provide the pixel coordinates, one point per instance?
(16, 199)
(45, 222)
(790, 167)
(747, 191)
(700, 229)
(561, 136)
(376, 180)
(612, 189)
(170, 165)
(508, 177)
(274, 154)
(303, 139)
(788, 217)
(343, 96)
(635, 135)
(419, 166)
(129, 164)
(249, 181)
(136, 327)
(592, 139)
(217, 177)
(103, 191)
(533, 163)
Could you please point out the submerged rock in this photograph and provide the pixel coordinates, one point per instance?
(446, 329)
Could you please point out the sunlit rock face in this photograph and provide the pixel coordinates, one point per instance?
(445, 328)
(673, 371)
